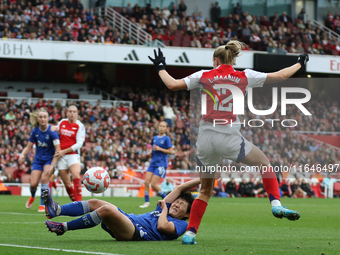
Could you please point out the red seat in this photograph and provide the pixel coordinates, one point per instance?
(317, 190)
(74, 96)
(186, 41)
(166, 42)
(117, 9)
(25, 178)
(336, 189)
(40, 95)
(335, 52)
(10, 170)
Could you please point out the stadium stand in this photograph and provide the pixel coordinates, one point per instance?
(70, 22)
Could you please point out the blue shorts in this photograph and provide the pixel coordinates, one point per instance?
(158, 170)
(39, 164)
(137, 236)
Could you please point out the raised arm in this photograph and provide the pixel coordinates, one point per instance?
(285, 73)
(172, 83)
(181, 188)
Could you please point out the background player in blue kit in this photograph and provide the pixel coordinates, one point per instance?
(47, 143)
(166, 222)
(161, 147)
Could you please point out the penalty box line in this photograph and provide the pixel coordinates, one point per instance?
(54, 249)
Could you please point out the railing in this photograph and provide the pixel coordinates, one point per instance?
(330, 32)
(63, 101)
(126, 26)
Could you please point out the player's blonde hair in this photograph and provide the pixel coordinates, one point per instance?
(34, 117)
(227, 53)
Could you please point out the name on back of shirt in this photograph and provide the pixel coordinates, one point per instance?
(227, 77)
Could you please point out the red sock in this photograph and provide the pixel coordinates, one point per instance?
(50, 185)
(197, 211)
(77, 189)
(70, 192)
(54, 184)
(270, 184)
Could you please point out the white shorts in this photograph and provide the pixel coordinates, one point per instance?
(213, 146)
(68, 160)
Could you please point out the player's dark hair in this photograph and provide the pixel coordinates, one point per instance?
(227, 53)
(189, 198)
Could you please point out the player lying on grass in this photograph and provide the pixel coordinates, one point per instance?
(166, 222)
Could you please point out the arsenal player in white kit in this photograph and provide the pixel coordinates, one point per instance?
(215, 142)
(72, 137)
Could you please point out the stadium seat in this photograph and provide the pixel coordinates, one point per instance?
(335, 52)
(74, 96)
(19, 94)
(166, 42)
(117, 9)
(10, 170)
(25, 178)
(65, 91)
(317, 190)
(186, 41)
(55, 95)
(91, 97)
(336, 190)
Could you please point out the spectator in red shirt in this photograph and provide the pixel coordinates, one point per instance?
(17, 174)
(40, 104)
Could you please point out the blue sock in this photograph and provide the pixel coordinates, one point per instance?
(87, 221)
(162, 194)
(33, 192)
(43, 187)
(75, 209)
(146, 196)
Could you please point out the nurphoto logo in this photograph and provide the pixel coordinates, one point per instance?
(237, 104)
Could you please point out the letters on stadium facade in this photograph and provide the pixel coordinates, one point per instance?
(15, 49)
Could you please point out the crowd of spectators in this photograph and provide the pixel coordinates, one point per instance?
(119, 138)
(66, 20)
(250, 187)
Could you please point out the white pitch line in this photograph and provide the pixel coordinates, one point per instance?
(21, 222)
(22, 213)
(54, 249)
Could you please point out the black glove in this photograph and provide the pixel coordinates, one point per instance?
(303, 59)
(158, 61)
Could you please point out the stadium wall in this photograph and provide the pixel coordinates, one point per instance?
(132, 54)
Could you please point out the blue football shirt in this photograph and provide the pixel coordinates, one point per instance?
(147, 223)
(159, 158)
(44, 143)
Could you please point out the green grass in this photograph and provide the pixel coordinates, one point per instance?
(230, 226)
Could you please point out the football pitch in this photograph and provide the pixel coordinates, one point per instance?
(230, 226)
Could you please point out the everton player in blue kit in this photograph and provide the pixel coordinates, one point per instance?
(47, 143)
(159, 162)
(166, 222)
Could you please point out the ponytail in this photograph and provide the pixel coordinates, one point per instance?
(34, 117)
(227, 53)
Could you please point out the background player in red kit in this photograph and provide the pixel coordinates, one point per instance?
(217, 141)
(72, 137)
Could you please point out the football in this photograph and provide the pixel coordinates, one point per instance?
(96, 180)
